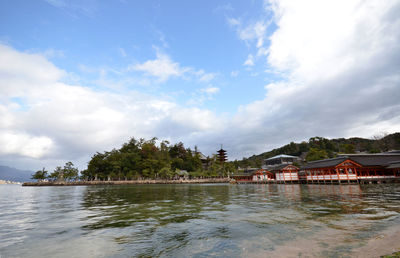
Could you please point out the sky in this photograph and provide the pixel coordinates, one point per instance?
(84, 76)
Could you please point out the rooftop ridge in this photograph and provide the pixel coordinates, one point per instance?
(370, 154)
(323, 160)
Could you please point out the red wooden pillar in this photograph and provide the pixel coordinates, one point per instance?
(312, 175)
(337, 172)
(356, 173)
(347, 174)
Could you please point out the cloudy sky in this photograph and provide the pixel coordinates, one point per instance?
(81, 76)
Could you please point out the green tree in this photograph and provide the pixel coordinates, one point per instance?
(145, 159)
(166, 173)
(316, 154)
(57, 174)
(40, 175)
(85, 175)
(129, 175)
(70, 172)
(348, 148)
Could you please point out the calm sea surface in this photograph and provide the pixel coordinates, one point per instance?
(194, 220)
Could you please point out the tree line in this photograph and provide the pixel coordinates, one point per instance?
(145, 159)
(67, 173)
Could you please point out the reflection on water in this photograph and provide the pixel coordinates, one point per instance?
(194, 220)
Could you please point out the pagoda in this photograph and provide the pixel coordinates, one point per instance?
(222, 157)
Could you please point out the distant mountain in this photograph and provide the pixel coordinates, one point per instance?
(16, 175)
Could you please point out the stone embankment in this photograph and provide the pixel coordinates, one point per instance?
(132, 182)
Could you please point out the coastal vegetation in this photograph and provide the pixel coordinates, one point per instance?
(68, 173)
(152, 159)
(140, 159)
(40, 175)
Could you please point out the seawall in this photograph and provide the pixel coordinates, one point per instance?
(132, 182)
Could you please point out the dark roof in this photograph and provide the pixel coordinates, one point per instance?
(374, 159)
(362, 159)
(250, 170)
(324, 163)
(394, 165)
(242, 174)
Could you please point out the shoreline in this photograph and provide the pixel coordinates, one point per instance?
(132, 182)
(8, 182)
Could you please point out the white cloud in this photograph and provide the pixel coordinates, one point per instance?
(53, 53)
(199, 97)
(203, 76)
(46, 119)
(253, 33)
(162, 67)
(30, 70)
(211, 90)
(24, 144)
(233, 21)
(331, 46)
(249, 61)
(340, 62)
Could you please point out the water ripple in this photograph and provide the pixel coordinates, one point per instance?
(195, 220)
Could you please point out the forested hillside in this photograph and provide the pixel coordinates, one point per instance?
(320, 148)
(147, 159)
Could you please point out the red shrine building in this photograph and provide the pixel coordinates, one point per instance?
(347, 168)
(286, 173)
(263, 175)
(282, 168)
(362, 168)
(279, 169)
